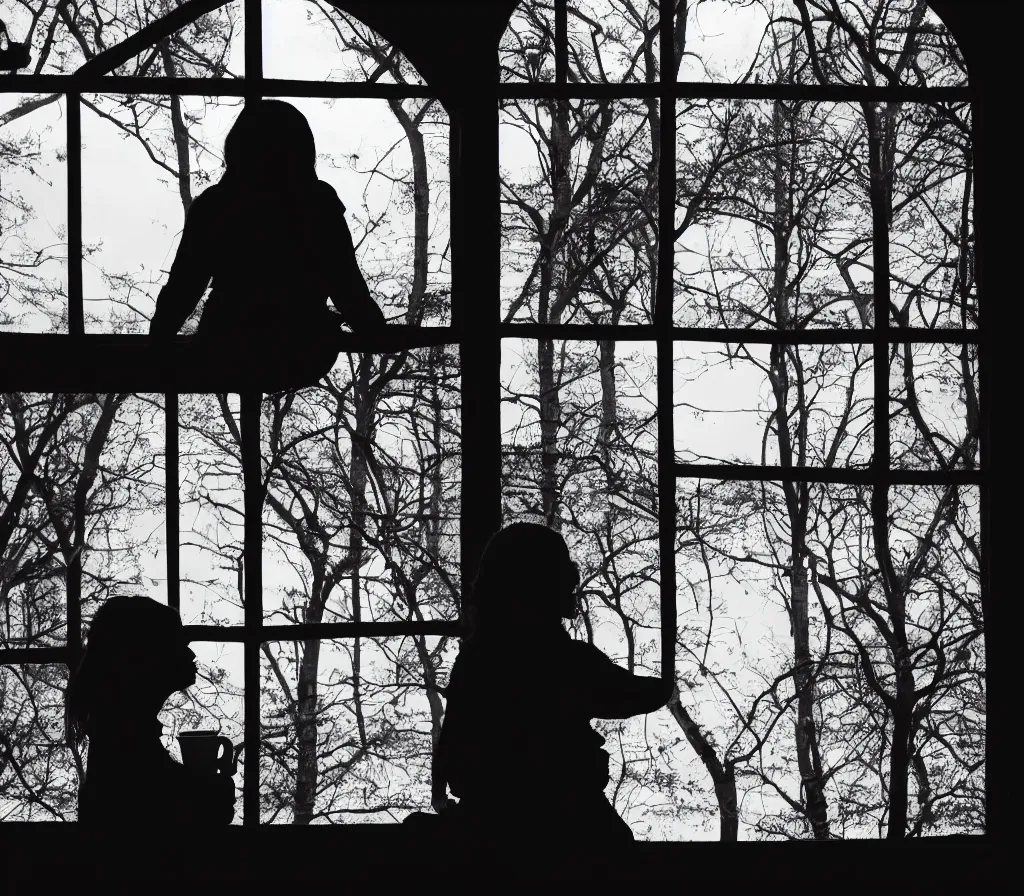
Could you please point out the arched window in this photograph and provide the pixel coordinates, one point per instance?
(310, 539)
(761, 435)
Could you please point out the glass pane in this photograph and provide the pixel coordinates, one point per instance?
(527, 48)
(773, 221)
(727, 401)
(213, 46)
(579, 454)
(934, 406)
(63, 39)
(33, 213)
(931, 240)
(212, 510)
(613, 41)
(580, 248)
(346, 728)
(136, 189)
(107, 449)
(899, 42)
(934, 546)
(389, 162)
(215, 702)
(125, 548)
(749, 616)
(351, 535)
(314, 41)
(39, 773)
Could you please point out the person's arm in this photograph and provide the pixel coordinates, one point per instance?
(190, 273)
(611, 692)
(440, 767)
(443, 769)
(348, 290)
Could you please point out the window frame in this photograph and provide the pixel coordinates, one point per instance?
(476, 328)
(93, 77)
(664, 334)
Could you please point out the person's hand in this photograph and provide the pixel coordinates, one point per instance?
(442, 804)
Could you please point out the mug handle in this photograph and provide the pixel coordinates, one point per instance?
(226, 763)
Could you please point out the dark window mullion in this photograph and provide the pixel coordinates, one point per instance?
(252, 476)
(324, 631)
(76, 328)
(76, 306)
(561, 44)
(710, 90)
(663, 318)
(253, 75)
(735, 336)
(171, 488)
(993, 762)
(10, 656)
(250, 409)
(846, 475)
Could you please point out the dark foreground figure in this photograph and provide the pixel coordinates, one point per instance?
(516, 746)
(274, 241)
(135, 658)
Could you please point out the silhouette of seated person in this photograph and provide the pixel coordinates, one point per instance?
(516, 746)
(136, 657)
(272, 238)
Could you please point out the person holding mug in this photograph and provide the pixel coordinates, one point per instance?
(135, 658)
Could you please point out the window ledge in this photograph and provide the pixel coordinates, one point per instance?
(50, 852)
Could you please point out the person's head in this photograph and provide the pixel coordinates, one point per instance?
(136, 656)
(526, 576)
(270, 142)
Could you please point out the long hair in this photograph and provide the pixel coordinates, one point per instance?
(523, 570)
(124, 631)
(270, 139)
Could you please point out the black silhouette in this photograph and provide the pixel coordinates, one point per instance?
(14, 55)
(273, 239)
(516, 745)
(136, 657)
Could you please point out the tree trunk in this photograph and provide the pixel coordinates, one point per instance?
(421, 204)
(552, 281)
(723, 776)
(179, 130)
(812, 797)
(307, 771)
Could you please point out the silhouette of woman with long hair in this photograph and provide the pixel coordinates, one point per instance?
(136, 657)
(273, 239)
(516, 745)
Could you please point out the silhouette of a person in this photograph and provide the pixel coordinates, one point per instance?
(516, 745)
(272, 238)
(136, 657)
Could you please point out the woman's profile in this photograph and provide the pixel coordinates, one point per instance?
(136, 657)
(273, 239)
(516, 745)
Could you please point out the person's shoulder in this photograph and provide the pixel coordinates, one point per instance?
(329, 196)
(208, 204)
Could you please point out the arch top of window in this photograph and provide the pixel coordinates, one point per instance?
(303, 40)
(877, 43)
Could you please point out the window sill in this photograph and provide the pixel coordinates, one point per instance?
(48, 853)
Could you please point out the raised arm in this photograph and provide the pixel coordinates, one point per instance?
(348, 291)
(190, 272)
(610, 692)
